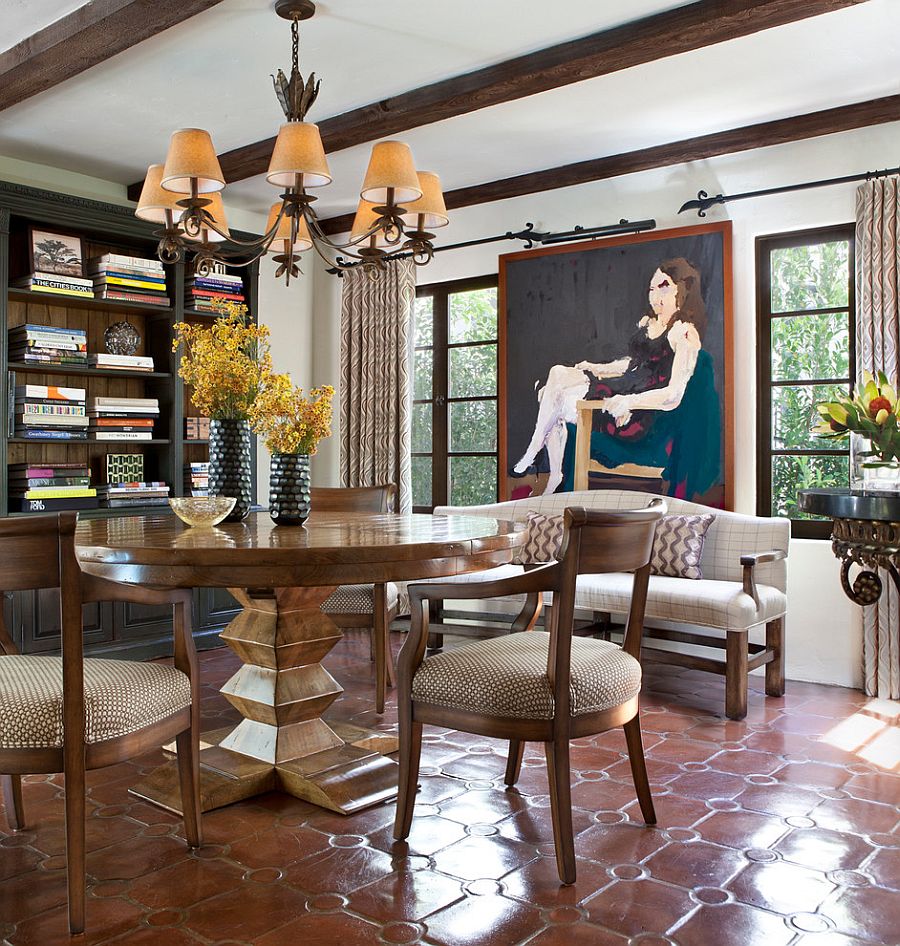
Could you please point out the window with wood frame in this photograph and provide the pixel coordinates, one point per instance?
(454, 420)
(805, 354)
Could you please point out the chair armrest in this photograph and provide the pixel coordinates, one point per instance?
(543, 578)
(750, 561)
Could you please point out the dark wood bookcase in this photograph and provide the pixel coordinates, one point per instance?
(126, 630)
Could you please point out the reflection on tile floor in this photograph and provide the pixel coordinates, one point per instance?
(782, 829)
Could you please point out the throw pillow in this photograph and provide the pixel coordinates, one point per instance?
(679, 546)
(544, 539)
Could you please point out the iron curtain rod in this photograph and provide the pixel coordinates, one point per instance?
(530, 237)
(704, 201)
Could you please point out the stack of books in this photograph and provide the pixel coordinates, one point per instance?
(196, 428)
(129, 279)
(200, 291)
(196, 479)
(121, 362)
(54, 283)
(121, 495)
(50, 487)
(122, 418)
(48, 345)
(41, 412)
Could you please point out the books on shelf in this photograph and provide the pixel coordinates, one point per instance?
(129, 279)
(196, 479)
(49, 392)
(196, 428)
(200, 291)
(122, 418)
(120, 495)
(56, 284)
(48, 344)
(121, 362)
(46, 488)
(41, 412)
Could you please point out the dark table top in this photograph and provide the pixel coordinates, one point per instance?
(851, 504)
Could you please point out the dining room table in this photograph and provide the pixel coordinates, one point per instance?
(281, 575)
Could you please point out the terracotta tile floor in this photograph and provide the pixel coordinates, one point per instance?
(782, 829)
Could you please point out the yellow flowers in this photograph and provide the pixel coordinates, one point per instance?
(873, 412)
(287, 421)
(225, 363)
(229, 368)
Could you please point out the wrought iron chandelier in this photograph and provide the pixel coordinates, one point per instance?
(398, 205)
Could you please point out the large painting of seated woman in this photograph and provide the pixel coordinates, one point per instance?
(615, 364)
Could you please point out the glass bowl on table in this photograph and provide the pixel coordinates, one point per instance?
(201, 512)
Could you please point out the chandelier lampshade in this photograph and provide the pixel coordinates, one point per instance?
(391, 173)
(430, 206)
(298, 150)
(302, 242)
(363, 222)
(217, 210)
(155, 200)
(192, 157)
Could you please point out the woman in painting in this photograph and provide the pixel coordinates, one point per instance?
(659, 408)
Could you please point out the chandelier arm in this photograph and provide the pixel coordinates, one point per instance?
(313, 223)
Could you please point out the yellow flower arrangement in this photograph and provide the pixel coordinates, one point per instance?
(225, 363)
(288, 421)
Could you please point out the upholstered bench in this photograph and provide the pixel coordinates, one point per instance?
(743, 585)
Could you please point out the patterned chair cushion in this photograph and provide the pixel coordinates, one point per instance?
(120, 697)
(360, 599)
(507, 676)
(545, 534)
(678, 546)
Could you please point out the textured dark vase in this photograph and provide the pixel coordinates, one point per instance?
(229, 465)
(289, 489)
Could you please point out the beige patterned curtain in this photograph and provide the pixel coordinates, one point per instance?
(877, 347)
(376, 404)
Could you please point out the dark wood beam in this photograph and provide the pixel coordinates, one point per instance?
(782, 131)
(699, 24)
(90, 35)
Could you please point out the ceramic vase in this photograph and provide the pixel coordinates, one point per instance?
(230, 466)
(289, 489)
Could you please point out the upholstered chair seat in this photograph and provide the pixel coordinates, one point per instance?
(360, 599)
(507, 677)
(120, 697)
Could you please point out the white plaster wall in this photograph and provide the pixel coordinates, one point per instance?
(824, 628)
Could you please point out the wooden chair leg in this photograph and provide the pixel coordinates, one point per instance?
(604, 620)
(379, 639)
(736, 658)
(75, 828)
(410, 753)
(12, 801)
(514, 761)
(560, 779)
(639, 768)
(187, 744)
(388, 653)
(775, 669)
(435, 616)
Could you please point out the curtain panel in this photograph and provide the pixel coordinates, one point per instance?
(376, 394)
(877, 348)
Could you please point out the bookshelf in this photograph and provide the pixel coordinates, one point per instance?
(103, 228)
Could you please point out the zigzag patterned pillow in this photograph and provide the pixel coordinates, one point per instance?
(679, 546)
(545, 535)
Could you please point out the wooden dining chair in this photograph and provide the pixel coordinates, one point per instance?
(71, 714)
(365, 606)
(532, 685)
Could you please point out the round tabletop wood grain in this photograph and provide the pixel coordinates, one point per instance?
(330, 549)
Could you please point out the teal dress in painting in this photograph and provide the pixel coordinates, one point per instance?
(685, 441)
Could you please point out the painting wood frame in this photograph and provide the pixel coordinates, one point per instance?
(725, 230)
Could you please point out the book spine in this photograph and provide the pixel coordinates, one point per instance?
(50, 392)
(53, 410)
(32, 433)
(51, 329)
(59, 492)
(34, 481)
(121, 435)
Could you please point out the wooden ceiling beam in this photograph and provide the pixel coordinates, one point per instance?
(784, 130)
(686, 28)
(86, 37)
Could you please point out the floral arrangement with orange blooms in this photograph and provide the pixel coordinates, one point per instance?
(225, 363)
(287, 420)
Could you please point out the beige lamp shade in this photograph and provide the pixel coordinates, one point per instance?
(391, 166)
(192, 156)
(217, 209)
(155, 200)
(298, 150)
(364, 221)
(302, 243)
(430, 206)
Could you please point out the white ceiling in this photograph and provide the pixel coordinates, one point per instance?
(213, 71)
(23, 18)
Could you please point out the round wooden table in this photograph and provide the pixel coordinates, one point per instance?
(281, 576)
